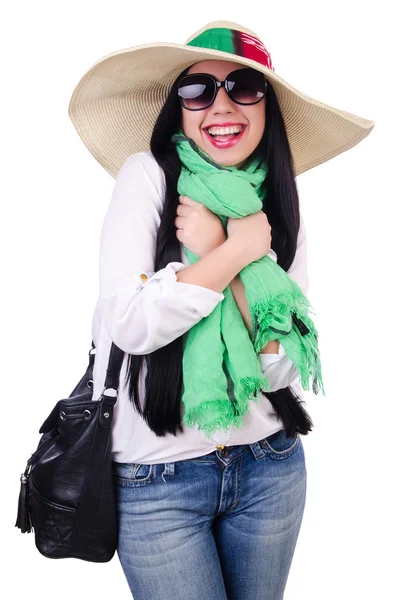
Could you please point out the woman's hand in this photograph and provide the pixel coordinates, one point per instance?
(199, 229)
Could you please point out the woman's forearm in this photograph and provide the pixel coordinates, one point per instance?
(215, 269)
(238, 290)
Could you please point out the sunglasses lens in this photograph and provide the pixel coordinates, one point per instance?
(246, 86)
(196, 91)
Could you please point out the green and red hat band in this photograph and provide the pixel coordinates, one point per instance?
(235, 42)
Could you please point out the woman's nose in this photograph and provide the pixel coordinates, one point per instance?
(222, 100)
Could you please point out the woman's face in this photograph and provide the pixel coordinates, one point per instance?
(224, 110)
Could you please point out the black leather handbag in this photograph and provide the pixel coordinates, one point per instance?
(67, 492)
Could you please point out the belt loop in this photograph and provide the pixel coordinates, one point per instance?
(258, 449)
(169, 469)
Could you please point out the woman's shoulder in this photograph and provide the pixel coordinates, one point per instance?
(143, 164)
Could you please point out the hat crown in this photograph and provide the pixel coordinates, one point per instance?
(233, 39)
(221, 25)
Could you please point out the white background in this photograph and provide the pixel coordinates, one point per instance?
(54, 196)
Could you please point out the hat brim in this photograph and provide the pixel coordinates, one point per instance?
(117, 101)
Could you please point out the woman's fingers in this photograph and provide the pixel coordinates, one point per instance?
(179, 222)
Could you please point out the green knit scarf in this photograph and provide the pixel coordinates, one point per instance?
(221, 367)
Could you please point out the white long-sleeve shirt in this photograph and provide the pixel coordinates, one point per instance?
(141, 310)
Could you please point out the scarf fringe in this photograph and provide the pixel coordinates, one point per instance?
(252, 386)
(220, 414)
(249, 389)
(217, 414)
(299, 340)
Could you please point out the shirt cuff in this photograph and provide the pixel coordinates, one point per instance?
(202, 299)
(279, 370)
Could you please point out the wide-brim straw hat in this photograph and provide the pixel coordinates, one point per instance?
(117, 101)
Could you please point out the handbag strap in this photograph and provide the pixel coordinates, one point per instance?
(116, 356)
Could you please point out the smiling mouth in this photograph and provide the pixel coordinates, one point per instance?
(225, 141)
(225, 135)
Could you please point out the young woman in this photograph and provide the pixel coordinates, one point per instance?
(203, 284)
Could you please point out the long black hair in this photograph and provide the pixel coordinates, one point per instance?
(162, 407)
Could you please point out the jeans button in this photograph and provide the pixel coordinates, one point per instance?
(224, 453)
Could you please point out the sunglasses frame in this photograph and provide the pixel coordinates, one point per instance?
(218, 85)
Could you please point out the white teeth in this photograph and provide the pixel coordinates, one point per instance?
(225, 130)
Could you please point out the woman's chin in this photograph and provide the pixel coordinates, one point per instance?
(229, 160)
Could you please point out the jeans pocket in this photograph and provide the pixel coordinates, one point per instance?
(279, 446)
(133, 474)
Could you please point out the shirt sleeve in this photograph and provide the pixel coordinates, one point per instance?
(298, 270)
(279, 369)
(143, 310)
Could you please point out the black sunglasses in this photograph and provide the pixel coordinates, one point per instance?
(244, 86)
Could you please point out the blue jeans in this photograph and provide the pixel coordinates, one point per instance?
(223, 526)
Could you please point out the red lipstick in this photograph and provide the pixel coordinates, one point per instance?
(227, 143)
